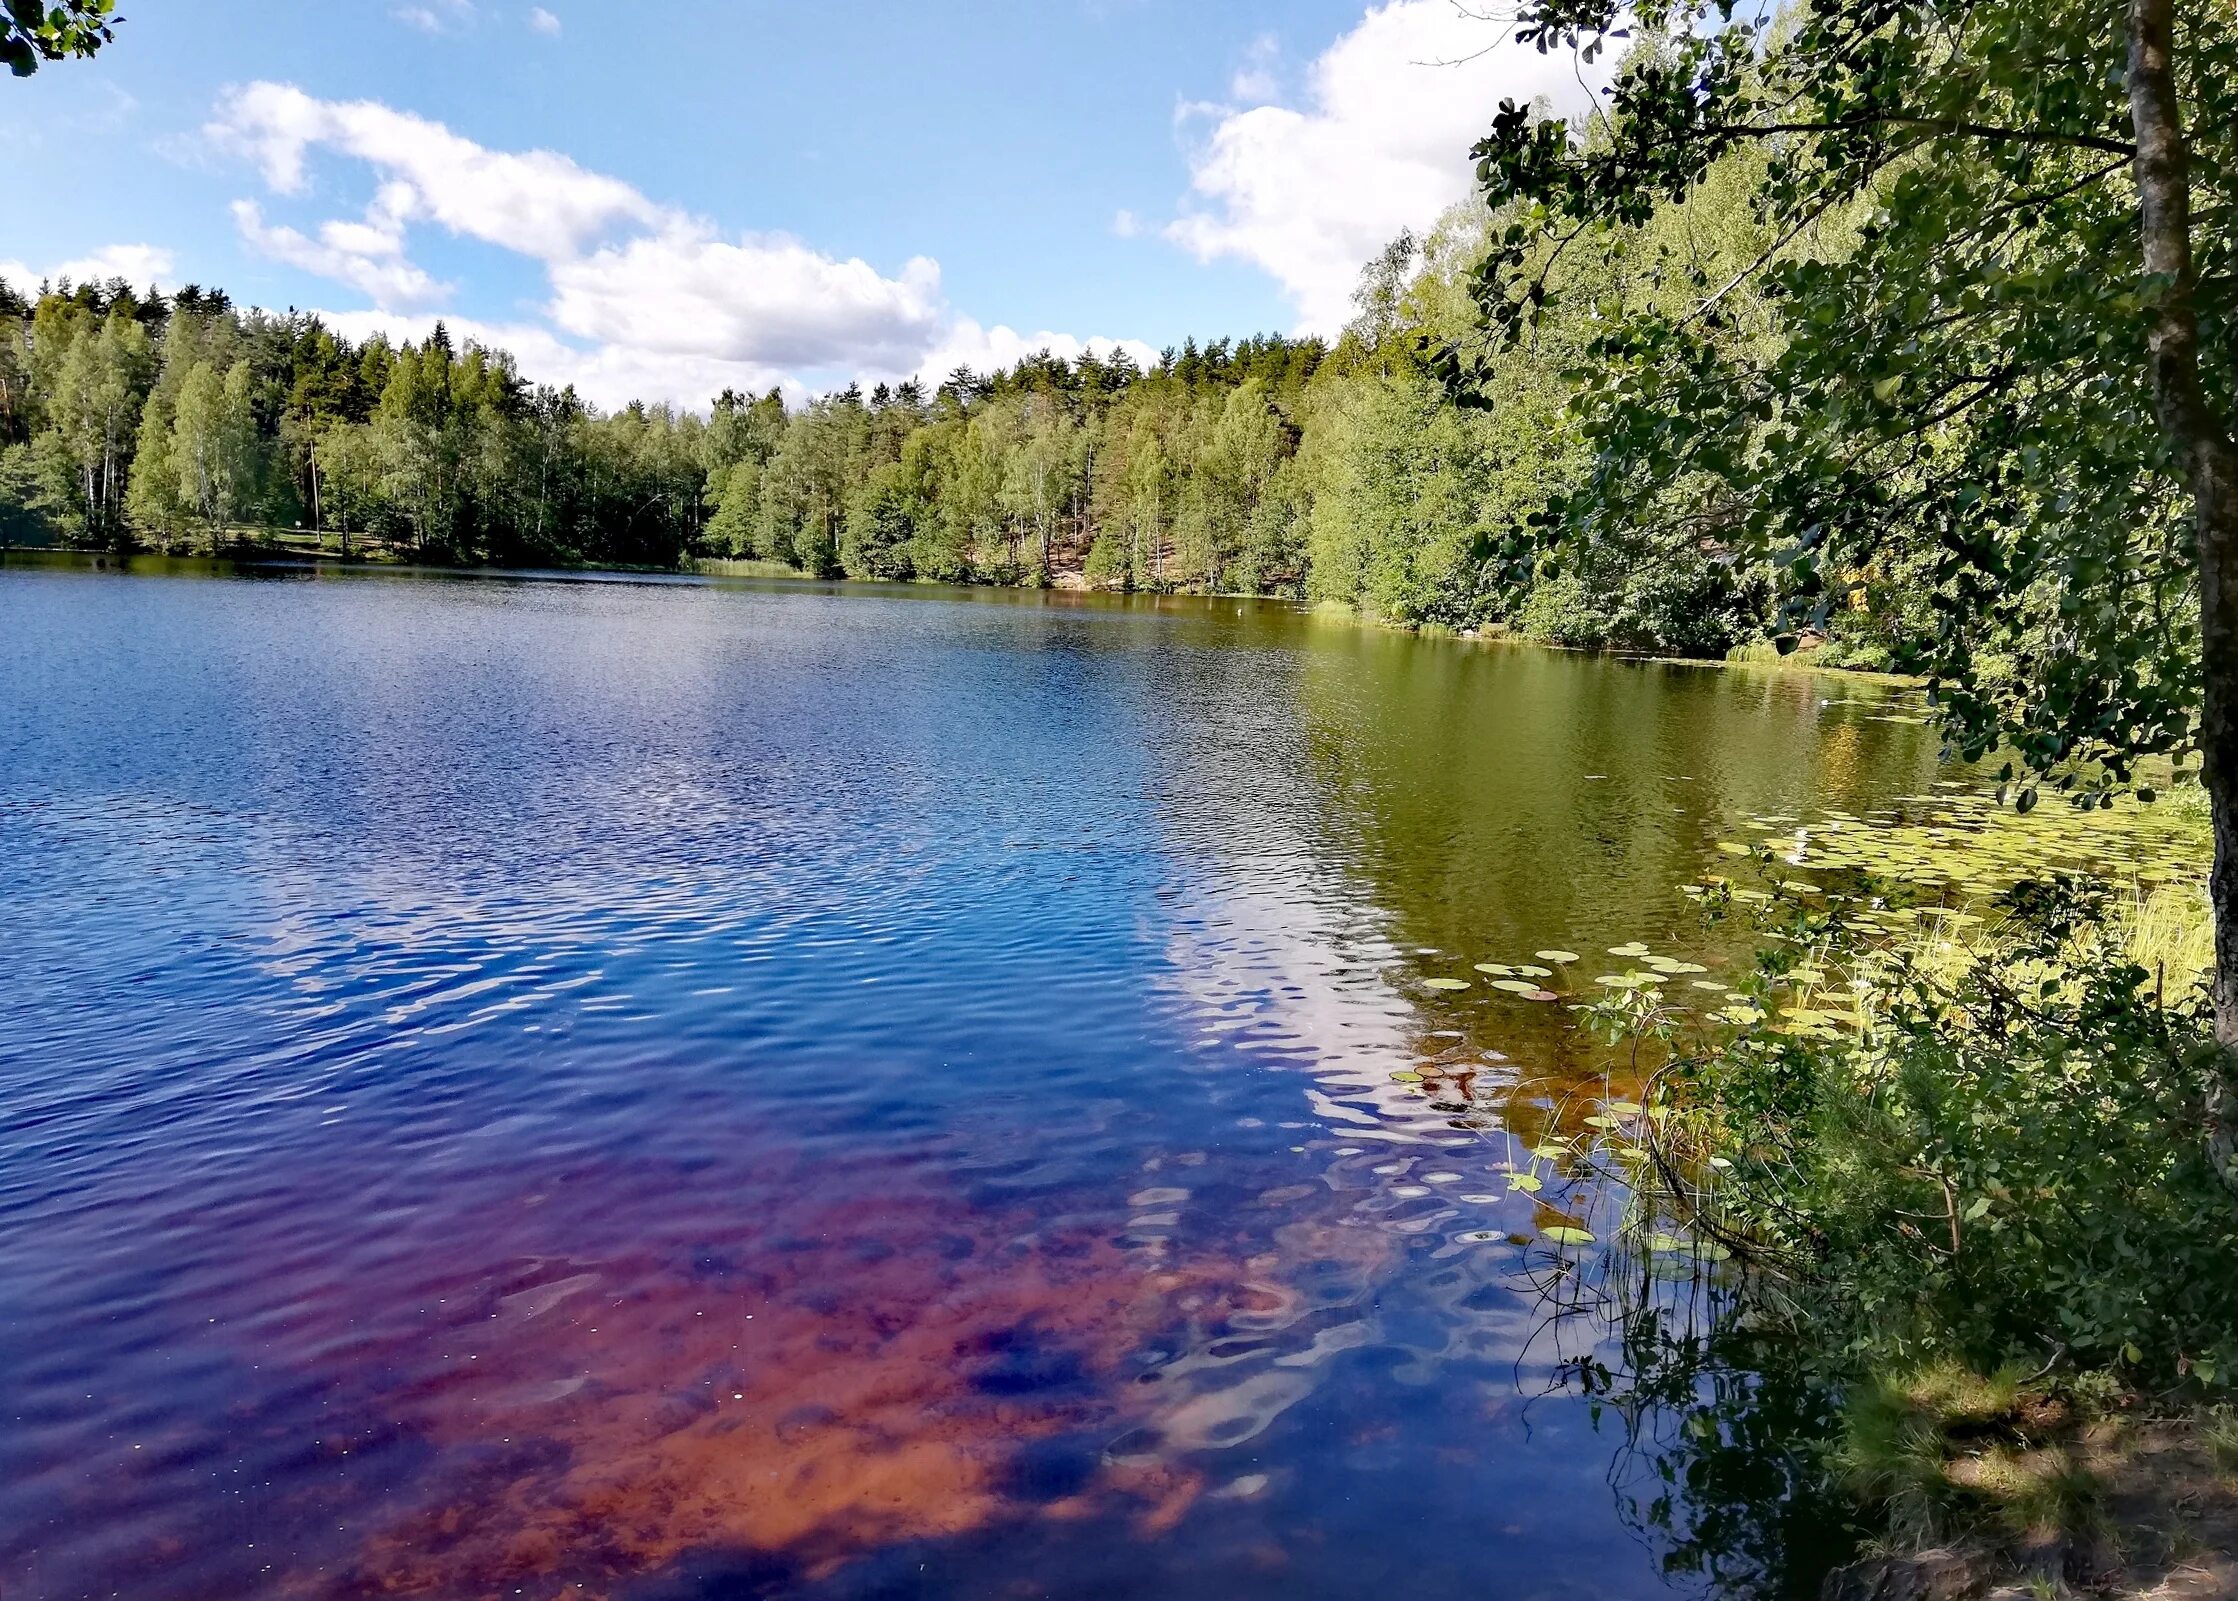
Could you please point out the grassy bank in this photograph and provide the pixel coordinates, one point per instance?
(1949, 1135)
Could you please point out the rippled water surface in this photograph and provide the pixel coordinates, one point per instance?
(660, 1089)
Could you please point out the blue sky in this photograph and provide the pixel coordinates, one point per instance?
(797, 193)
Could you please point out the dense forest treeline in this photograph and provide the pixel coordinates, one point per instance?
(1338, 472)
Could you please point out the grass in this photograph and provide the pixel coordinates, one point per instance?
(2170, 931)
(1944, 1451)
(2219, 1431)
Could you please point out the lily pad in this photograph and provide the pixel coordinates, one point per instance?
(1528, 1183)
(1560, 958)
(1446, 983)
(1631, 948)
(1563, 1234)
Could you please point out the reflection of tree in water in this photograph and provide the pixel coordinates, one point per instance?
(1718, 1465)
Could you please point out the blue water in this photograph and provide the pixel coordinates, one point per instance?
(522, 1087)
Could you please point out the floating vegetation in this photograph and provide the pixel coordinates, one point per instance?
(1567, 1234)
(1558, 958)
(1446, 983)
(1632, 948)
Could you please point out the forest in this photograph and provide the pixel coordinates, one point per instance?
(1344, 473)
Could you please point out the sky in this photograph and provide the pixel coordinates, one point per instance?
(658, 203)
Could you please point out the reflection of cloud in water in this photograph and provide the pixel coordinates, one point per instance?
(1282, 957)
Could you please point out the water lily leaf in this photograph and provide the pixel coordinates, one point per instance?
(1560, 958)
(1630, 948)
(1446, 983)
(1563, 1234)
(1528, 1183)
(1550, 1153)
(1496, 969)
(1626, 1108)
(1539, 995)
(1529, 970)
(1733, 847)
(1709, 984)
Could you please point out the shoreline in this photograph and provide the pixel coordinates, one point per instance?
(712, 568)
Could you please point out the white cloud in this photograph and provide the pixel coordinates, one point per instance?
(438, 16)
(141, 265)
(536, 202)
(543, 22)
(766, 300)
(967, 344)
(645, 300)
(1125, 224)
(608, 375)
(1256, 81)
(365, 255)
(1380, 143)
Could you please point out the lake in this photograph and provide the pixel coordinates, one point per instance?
(659, 1088)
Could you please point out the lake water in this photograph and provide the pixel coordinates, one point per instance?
(667, 1089)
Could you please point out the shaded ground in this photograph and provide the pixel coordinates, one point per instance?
(2166, 1529)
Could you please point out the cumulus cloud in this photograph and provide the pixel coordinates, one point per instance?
(967, 344)
(543, 22)
(140, 265)
(537, 202)
(368, 256)
(609, 375)
(769, 300)
(1378, 143)
(645, 300)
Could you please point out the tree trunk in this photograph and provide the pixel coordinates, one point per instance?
(2203, 449)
